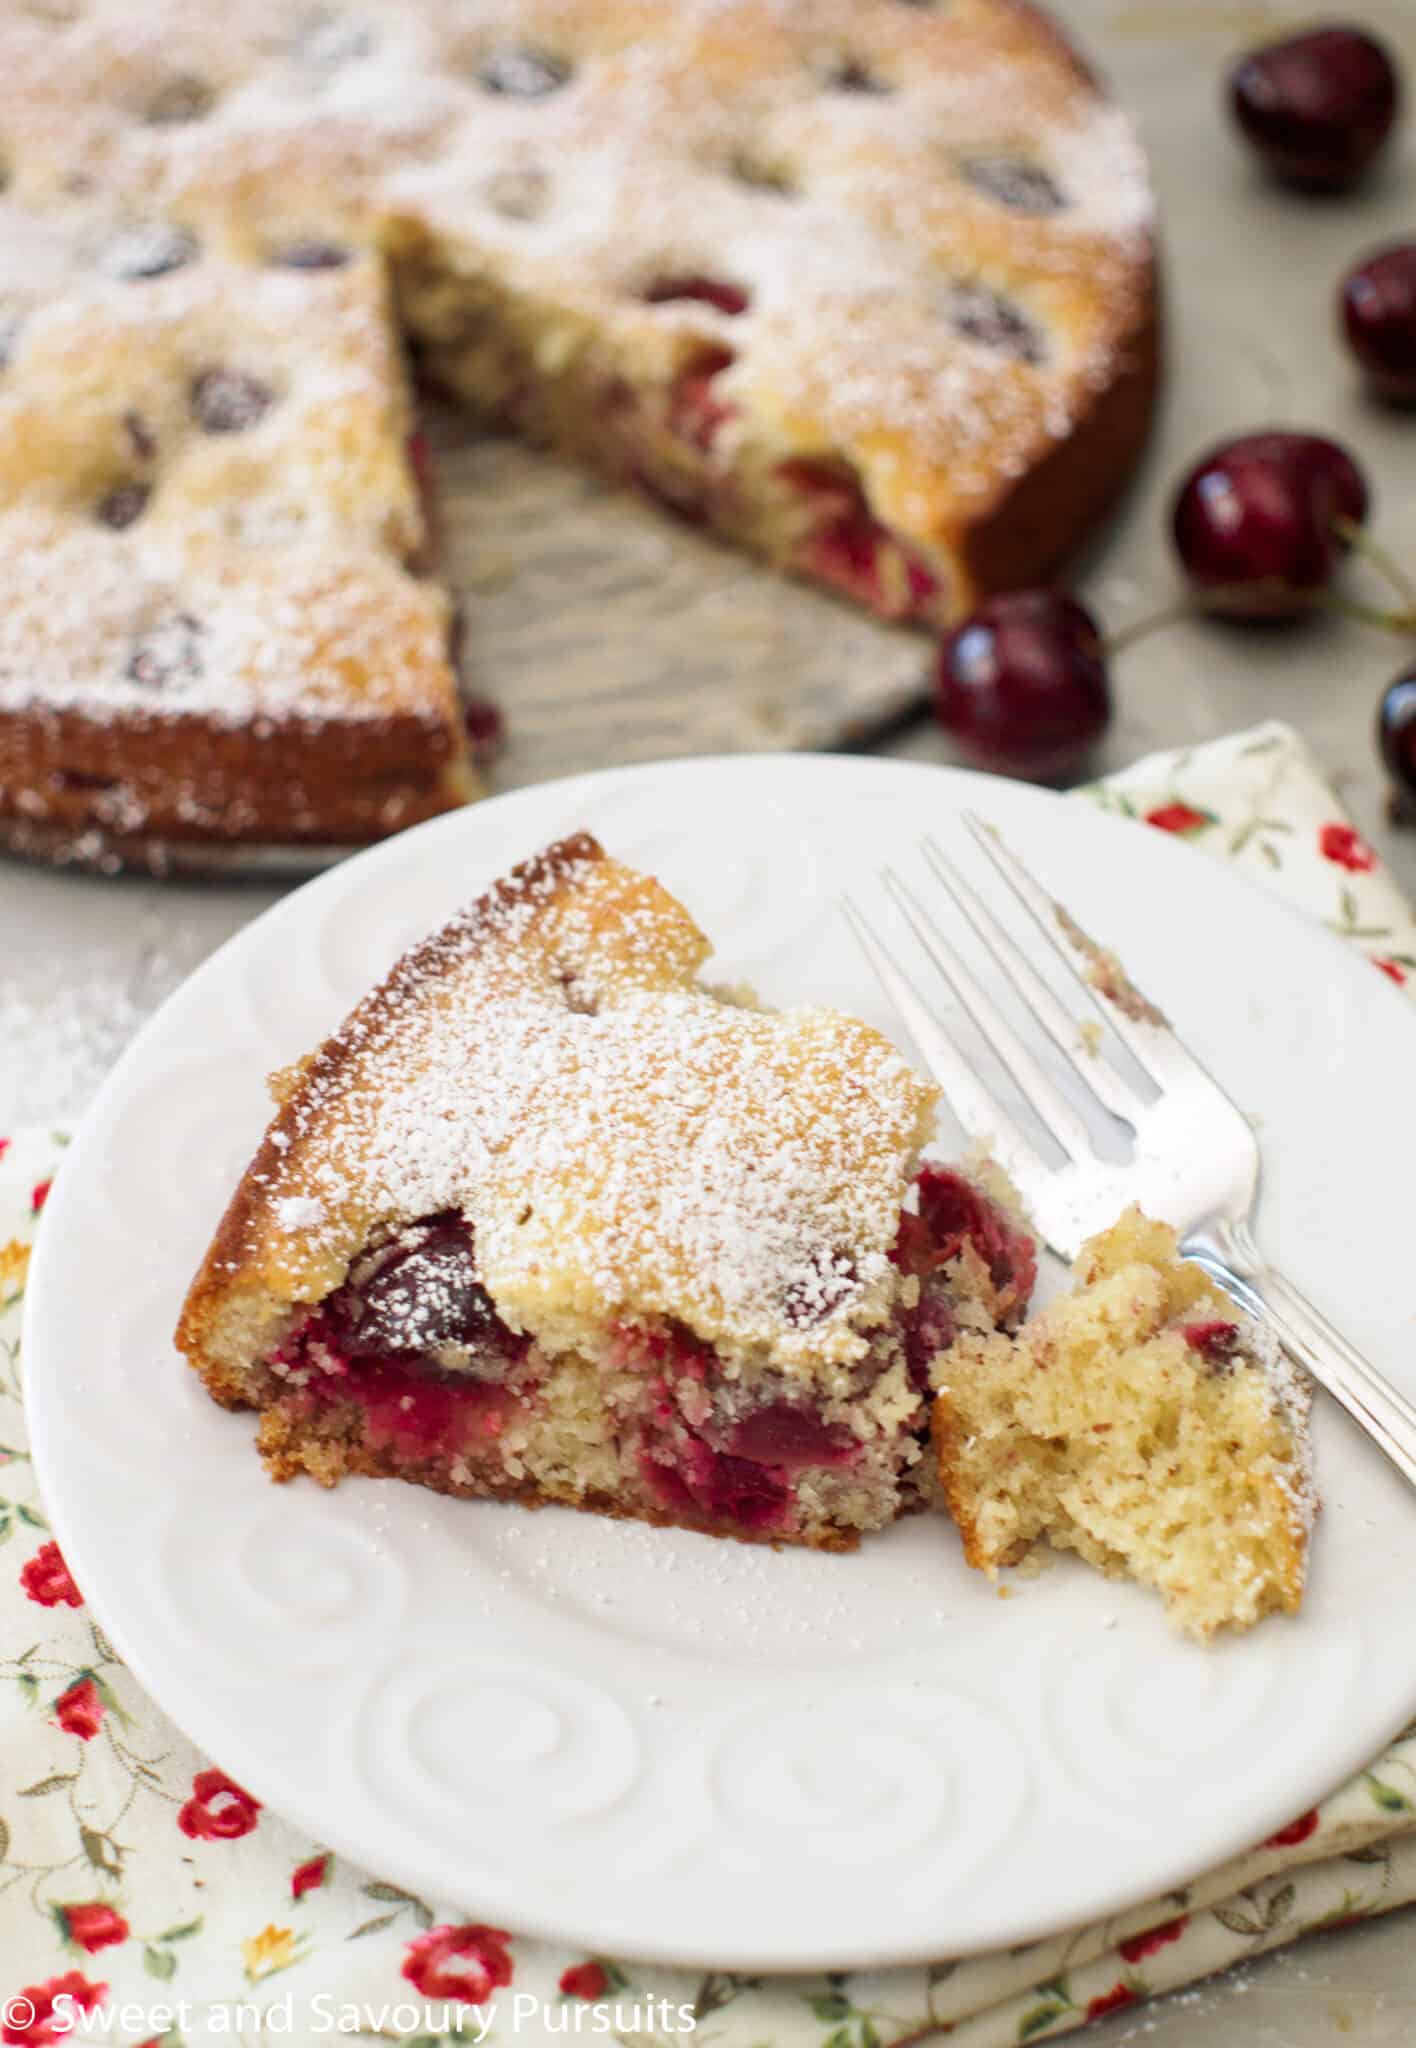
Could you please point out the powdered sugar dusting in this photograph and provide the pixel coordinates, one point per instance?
(865, 174)
(624, 1144)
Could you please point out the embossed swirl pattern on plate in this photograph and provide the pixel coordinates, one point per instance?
(1129, 1729)
(130, 1387)
(869, 1776)
(291, 1576)
(495, 1740)
(176, 1146)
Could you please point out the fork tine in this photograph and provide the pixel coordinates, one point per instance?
(1054, 1017)
(1140, 1026)
(981, 1116)
(1038, 1087)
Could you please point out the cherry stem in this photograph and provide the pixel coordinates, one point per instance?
(1183, 608)
(1362, 543)
(1218, 603)
(1367, 614)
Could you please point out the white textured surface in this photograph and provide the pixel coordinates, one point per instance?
(1250, 271)
(441, 1690)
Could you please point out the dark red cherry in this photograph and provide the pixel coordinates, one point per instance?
(426, 1294)
(520, 72)
(1257, 522)
(996, 322)
(485, 728)
(789, 1437)
(308, 252)
(229, 401)
(178, 100)
(1021, 685)
(1396, 736)
(168, 652)
(1217, 1342)
(148, 249)
(1318, 106)
(1379, 316)
(709, 291)
(123, 504)
(1013, 181)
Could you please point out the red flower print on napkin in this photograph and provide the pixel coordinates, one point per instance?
(458, 1962)
(39, 1194)
(1180, 818)
(30, 2020)
(584, 1980)
(218, 1810)
(1348, 848)
(1111, 2001)
(1152, 1939)
(94, 1926)
(308, 1877)
(1394, 969)
(1297, 1831)
(46, 1579)
(79, 1711)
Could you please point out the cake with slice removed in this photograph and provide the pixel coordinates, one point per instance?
(866, 288)
(549, 1219)
(1143, 1422)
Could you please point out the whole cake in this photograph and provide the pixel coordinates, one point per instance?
(549, 1219)
(865, 286)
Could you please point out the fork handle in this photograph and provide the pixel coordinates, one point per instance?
(1229, 1255)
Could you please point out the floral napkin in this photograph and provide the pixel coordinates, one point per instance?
(146, 1898)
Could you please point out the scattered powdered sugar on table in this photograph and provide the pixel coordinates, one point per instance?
(72, 1027)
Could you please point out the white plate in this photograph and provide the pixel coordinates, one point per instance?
(651, 1743)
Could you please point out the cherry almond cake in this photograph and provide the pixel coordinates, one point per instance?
(864, 286)
(552, 1219)
(549, 1219)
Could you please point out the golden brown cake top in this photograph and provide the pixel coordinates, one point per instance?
(206, 498)
(939, 228)
(625, 1144)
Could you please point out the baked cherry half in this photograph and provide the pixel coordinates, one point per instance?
(1021, 686)
(1260, 523)
(1317, 107)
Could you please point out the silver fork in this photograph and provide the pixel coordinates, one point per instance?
(1196, 1159)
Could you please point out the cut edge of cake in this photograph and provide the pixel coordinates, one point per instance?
(1146, 1423)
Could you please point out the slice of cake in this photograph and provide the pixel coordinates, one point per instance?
(549, 1219)
(1143, 1422)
